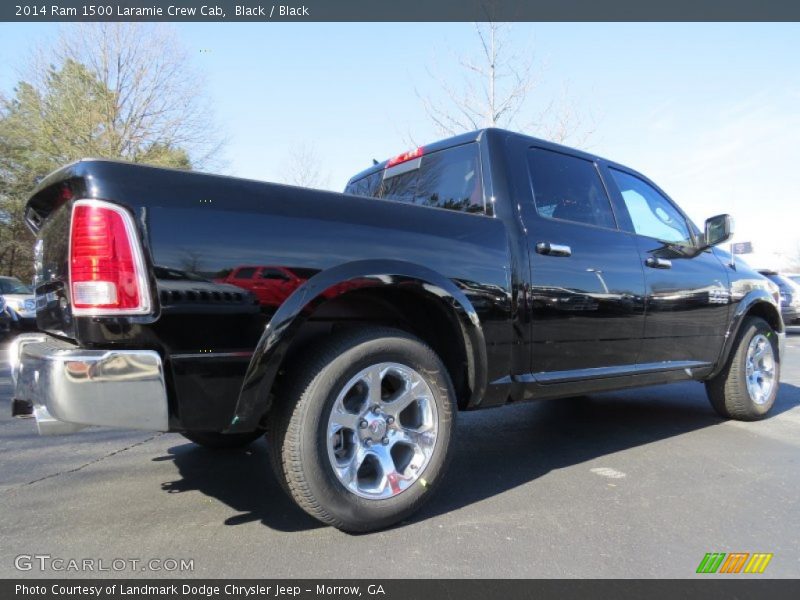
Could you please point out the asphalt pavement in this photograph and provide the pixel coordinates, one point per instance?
(641, 483)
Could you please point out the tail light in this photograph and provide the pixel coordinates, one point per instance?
(107, 274)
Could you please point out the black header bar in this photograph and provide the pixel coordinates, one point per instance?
(705, 588)
(402, 10)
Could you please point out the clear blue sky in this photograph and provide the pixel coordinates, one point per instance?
(709, 111)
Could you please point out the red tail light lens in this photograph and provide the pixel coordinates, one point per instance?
(106, 266)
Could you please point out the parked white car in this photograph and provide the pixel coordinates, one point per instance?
(20, 303)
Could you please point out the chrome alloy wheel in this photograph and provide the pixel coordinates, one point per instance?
(382, 430)
(760, 369)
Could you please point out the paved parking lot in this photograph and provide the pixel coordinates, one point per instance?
(635, 484)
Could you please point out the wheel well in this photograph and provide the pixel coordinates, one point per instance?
(767, 312)
(426, 317)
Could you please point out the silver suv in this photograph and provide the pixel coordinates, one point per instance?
(20, 303)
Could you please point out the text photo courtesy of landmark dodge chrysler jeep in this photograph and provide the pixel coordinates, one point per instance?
(478, 271)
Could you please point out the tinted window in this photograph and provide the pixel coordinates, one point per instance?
(267, 273)
(569, 188)
(246, 273)
(448, 179)
(451, 179)
(651, 213)
(366, 186)
(13, 286)
(402, 187)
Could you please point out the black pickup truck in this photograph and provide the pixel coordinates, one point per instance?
(481, 270)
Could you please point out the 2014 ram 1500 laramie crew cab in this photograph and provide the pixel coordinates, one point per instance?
(485, 269)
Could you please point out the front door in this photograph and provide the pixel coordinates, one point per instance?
(687, 301)
(587, 293)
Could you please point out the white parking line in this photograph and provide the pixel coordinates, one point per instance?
(608, 472)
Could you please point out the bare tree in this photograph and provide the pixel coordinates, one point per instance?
(108, 90)
(303, 167)
(495, 91)
(152, 95)
(191, 260)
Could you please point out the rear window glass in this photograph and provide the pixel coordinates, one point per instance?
(366, 186)
(449, 179)
(246, 273)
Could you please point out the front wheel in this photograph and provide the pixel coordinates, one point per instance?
(748, 385)
(362, 439)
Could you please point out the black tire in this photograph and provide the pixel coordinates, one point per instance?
(222, 441)
(728, 391)
(297, 431)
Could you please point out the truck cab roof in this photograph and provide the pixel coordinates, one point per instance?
(475, 136)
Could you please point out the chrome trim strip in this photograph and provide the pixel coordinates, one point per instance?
(606, 372)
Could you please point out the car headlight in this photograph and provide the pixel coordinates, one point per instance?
(30, 304)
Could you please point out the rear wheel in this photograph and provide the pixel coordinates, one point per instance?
(363, 437)
(222, 441)
(748, 385)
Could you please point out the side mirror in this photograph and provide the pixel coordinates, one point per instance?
(718, 230)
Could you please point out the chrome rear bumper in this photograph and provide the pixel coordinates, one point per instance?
(71, 387)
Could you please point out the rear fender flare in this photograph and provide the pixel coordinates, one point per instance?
(279, 333)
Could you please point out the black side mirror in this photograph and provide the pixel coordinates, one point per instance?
(718, 229)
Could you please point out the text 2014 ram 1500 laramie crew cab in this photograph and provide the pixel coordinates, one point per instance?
(485, 269)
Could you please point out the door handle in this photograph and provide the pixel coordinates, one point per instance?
(658, 263)
(553, 249)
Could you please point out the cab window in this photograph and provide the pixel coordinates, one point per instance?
(651, 213)
(267, 273)
(449, 179)
(366, 186)
(569, 188)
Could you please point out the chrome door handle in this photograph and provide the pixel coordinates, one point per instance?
(553, 249)
(658, 263)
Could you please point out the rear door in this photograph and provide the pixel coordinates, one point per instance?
(587, 294)
(687, 299)
(275, 285)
